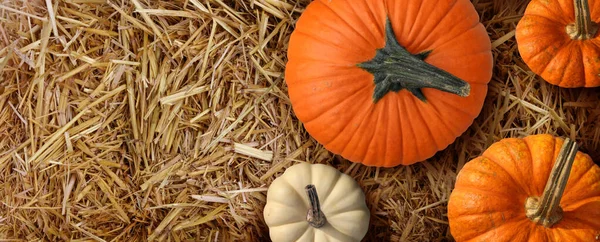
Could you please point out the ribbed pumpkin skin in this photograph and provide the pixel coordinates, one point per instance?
(333, 97)
(488, 201)
(549, 51)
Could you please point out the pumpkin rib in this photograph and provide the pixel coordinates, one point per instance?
(338, 104)
(403, 125)
(398, 17)
(549, 21)
(455, 38)
(583, 214)
(299, 197)
(470, 189)
(538, 8)
(474, 216)
(410, 109)
(433, 113)
(567, 67)
(431, 32)
(340, 47)
(477, 235)
(544, 66)
(577, 179)
(593, 70)
(533, 148)
(359, 151)
(519, 150)
(449, 125)
(400, 146)
(522, 225)
(410, 124)
(476, 168)
(406, 22)
(558, 233)
(333, 139)
(328, 192)
(349, 26)
(471, 82)
(351, 74)
(282, 222)
(353, 135)
(568, 197)
(315, 118)
(305, 201)
(372, 17)
(510, 176)
(385, 141)
(379, 22)
(350, 207)
(455, 24)
(536, 25)
(307, 59)
(296, 237)
(392, 139)
(570, 207)
(586, 68)
(509, 146)
(443, 101)
(338, 233)
(595, 11)
(427, 127)
(273, 226)
(547, 60)
(309, 233)
(579, 54)
(373, 141)
(343, 20)
(415, 20)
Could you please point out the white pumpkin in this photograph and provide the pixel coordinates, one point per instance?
(315, 203)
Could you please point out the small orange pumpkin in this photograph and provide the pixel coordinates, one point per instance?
(388, 82)
(513, 192)
(559, 40)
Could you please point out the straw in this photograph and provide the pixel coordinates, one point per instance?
(168, 120)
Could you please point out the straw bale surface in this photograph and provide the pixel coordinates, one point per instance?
(167, 120)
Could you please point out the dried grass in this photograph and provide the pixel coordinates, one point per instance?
(167, 120)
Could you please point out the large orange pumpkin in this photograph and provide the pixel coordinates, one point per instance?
(527, 190)
(388, 82)
(559, 40)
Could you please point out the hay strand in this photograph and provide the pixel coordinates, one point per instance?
(167, 121)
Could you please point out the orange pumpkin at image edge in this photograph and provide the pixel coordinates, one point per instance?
(538, 188)
(559, 40)
(388, 83)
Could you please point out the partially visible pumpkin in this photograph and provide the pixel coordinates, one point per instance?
(527, 190)
(316, 203)
(388, 82)
(559, 40)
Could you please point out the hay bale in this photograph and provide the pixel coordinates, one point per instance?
(167, 120)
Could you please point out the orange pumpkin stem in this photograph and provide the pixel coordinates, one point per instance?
(315, 217)
(546, 210)
(394, 69)
(583, 28)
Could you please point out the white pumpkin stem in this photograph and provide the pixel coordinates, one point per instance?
(546, 210)
(583, 28)
(315, 217)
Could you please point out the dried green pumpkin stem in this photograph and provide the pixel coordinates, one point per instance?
(394, 69)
